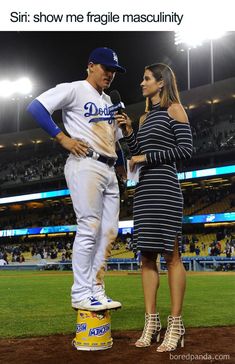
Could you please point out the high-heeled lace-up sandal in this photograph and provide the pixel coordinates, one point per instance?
(174, 334)
(151, 330)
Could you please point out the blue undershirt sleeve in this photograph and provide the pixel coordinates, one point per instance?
(43, 118)
(120, 160)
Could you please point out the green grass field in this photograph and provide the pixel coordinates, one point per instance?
(38, 303)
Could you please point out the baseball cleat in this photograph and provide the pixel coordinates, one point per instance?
(108, 302)
(89, 304)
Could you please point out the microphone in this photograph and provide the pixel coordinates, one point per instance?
(117, 103)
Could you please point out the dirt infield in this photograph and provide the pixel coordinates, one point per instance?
(210, 345)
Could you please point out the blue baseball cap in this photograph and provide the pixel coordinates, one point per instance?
(106, 57)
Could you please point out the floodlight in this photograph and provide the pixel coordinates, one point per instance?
(193, 39)
(6, 88)
(23, 86)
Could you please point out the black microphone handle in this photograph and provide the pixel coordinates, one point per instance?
(121, 111)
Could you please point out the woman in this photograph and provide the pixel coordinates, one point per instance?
(164, 137)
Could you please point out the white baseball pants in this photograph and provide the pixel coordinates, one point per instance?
(95, 195)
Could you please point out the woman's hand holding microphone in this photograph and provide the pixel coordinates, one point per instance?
(124, 122)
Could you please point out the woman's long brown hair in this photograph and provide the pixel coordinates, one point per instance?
(169, 93)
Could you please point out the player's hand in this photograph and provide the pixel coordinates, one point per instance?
(121, 172)
(137, 159)
(124, 122)
(76, 147)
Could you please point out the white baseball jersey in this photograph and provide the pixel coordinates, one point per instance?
(85, 114)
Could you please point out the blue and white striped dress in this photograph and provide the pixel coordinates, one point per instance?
(158, 200)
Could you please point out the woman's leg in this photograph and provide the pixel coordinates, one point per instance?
(176, 280)
(150, 281)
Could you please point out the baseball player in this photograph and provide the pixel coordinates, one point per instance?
(89, 171)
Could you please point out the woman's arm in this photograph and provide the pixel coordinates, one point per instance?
(125, 123)
(183, 138)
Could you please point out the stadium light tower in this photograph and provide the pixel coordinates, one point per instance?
(186, 40)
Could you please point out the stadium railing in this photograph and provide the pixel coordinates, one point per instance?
(211, 263)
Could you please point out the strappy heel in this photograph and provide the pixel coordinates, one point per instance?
(174, 334)
(151, 330)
